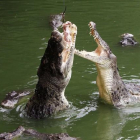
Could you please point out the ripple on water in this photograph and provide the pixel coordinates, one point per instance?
(93, 82)
(20, 107)
(74, 113)
(3, 110)
(91, 69)
(4, 115)
(33, 82)
(135, 81)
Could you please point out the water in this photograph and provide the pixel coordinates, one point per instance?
(24, 32)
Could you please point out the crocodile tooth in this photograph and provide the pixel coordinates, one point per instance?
(94, 36)
(89, 25)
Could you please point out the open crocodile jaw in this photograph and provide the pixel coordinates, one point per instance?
(101, 50)
(66, 33)
(69, 33)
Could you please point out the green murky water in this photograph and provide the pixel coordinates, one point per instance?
(24, 32)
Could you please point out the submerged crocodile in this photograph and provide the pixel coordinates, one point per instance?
(41, 136)
(128, 39)
(54, 74)
(111, 87)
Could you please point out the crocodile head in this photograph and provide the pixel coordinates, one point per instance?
(106, 64)
(57, 61)
(60, 50)
(106, 59)
(103, 48)
(128, 39)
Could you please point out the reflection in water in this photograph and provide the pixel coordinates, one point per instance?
(112, 122)
(109, 123)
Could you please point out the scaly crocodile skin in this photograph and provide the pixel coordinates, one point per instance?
(54, 74)
(111, 87)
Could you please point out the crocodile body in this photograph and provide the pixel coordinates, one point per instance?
(111, 87)
(54, 74)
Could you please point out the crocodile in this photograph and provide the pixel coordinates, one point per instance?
(12, 98)
(128, 39)
(35, 134)
(54, 74)
(111, 87)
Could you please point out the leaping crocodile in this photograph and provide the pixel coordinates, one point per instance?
(54, 74)
(111, 87)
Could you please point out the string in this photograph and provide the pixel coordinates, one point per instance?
(64, 6)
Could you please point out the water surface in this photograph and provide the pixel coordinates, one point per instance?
(24, 32)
